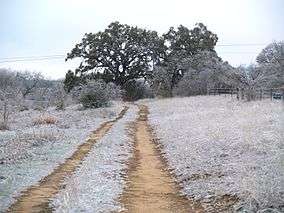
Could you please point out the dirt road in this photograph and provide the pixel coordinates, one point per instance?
(150, 187)
(36, 198)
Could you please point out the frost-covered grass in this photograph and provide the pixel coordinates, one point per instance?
(98, 183)
(31, 150)
(220, 146)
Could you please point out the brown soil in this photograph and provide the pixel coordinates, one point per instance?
(150, 186)
(36, 198)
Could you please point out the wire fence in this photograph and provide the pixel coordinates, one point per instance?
(250, 94)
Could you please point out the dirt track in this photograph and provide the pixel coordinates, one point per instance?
(150, 187)
(36, 198)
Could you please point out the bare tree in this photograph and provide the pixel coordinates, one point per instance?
(28, 82)
(9, 95)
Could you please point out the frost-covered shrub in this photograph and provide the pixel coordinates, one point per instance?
(96, 94)
(57, 96)
(9, 97)
(136, 90)
(3, 126)
(190, 84)
(161, 81)
(46, 119)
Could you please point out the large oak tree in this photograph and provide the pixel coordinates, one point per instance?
(184, 42)
(119, 54)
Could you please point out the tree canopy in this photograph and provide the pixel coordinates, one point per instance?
(185, 42)
(270, 69)
(273, 53)
(122, 53)
(118, 54)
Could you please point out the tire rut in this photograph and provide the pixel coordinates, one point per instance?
(36, 198)
(150, 187)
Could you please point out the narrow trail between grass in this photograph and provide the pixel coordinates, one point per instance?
(150, 186)
(36, 198)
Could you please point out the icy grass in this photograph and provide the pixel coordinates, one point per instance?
(28, 151)
(220, 146)
(98, 183)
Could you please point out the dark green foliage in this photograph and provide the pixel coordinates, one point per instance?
(119, 54)
(93, 100)
(184, 42)
(71, 80)
(136, 90)
(122, 54)
(95, 94)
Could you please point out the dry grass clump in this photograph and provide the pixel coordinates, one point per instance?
(3, 126)
(45, 119)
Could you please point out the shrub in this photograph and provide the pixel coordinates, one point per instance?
(4, 116)
(135, 90)
(190, 84)
(45, 120)
(96, 93)
(161, 81)
(3, 126)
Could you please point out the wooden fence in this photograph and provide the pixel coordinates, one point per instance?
(253, 94)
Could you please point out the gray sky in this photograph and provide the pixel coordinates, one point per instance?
(53, 27)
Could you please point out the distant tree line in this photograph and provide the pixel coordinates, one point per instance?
(24, 90)
(180, 62)
(123, 54)
(133, 63)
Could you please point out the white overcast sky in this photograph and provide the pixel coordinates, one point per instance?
(52, 27)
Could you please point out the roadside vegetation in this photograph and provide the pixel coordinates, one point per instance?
(216, 147)
(220, 148)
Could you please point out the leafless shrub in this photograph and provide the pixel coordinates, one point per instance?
(45, 119)
(3, 126)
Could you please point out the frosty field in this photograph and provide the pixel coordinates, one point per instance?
(218, 146)
(29, 151)
(225, 155)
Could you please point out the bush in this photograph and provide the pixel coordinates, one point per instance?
(96, 93)
(161, 81)
(45, 120)
(3, 126)
(135, 90)
(190, 84)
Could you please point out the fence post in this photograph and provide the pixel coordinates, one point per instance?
(242, 94)
(271, 92)
(238, 95)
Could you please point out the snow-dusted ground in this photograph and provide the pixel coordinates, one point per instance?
(98, 183)
(28, 151)
(220, 146)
